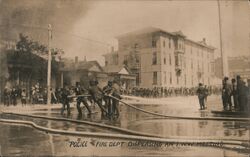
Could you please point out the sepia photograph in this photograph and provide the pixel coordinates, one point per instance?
(125, 78)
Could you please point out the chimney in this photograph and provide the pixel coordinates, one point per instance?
(204, 40)
(76, 59)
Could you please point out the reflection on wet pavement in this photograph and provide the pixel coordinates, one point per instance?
(22, 138)
(26, 141)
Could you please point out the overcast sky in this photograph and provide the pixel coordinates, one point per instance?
(102, 20)
(196, 19)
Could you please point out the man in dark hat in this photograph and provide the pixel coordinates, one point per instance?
(80, 91)
(116, 92)
(201, 96)
(107, 90)
(97, 95)
(226, 94)
(65, 99)
(240, 92)
(235, 94)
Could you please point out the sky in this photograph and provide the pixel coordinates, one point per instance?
(92, 32)
(196, 19)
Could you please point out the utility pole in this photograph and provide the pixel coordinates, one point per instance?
(224, 61)
(49, 65)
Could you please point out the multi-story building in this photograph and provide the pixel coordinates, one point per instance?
(163, 59)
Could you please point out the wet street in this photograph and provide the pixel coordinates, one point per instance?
(16, 139)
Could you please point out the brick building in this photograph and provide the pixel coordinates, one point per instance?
(162, 59)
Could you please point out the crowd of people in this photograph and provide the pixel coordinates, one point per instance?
(38, 95)
(236, 90)
(158, 92)
(234, 94)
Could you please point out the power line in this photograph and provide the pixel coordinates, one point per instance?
(56, 30)
(23, 25)
(83, 38)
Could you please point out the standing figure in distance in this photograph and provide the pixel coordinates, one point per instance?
(201, 96)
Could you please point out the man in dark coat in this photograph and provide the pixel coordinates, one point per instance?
(116, 92)
(201, 96)
(235, 94)
(226, 94)
(107, 90)
(241, 92)
(65, 99)
(80, 91)
(97, 95)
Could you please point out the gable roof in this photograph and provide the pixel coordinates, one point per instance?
(82, 65)
(118, 69)
(149, 30)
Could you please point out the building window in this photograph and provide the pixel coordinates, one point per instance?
(106, 63)
(115, 59)
(177, 79)
(164, 43)
(184, 62)
(170, 78)
(136, 45)
(176, 60)
(164, 60)
(154, 58)
(169, 44)
(170, 63)
(153, 43)
(154, 77)
(192, 65)
(165, 78)
(192, 80)
(185, 77)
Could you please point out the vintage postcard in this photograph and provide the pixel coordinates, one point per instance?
(125, 78)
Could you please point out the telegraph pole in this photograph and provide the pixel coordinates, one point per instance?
(224, 61)
(49, 65)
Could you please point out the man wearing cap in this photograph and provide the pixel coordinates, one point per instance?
(80, 91)
(107, 90)
(97, 95)
(201, 96)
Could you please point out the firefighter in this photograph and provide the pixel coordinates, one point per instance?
(97, 95)
(65, 100)
(116, 92)
(107, 90)
(79, 91)
(201, 96)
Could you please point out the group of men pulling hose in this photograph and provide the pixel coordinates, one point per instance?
(110, 95)
(237, 91)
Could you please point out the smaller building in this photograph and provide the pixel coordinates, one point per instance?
(123, 75)
(236, 66)
(73, 71)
